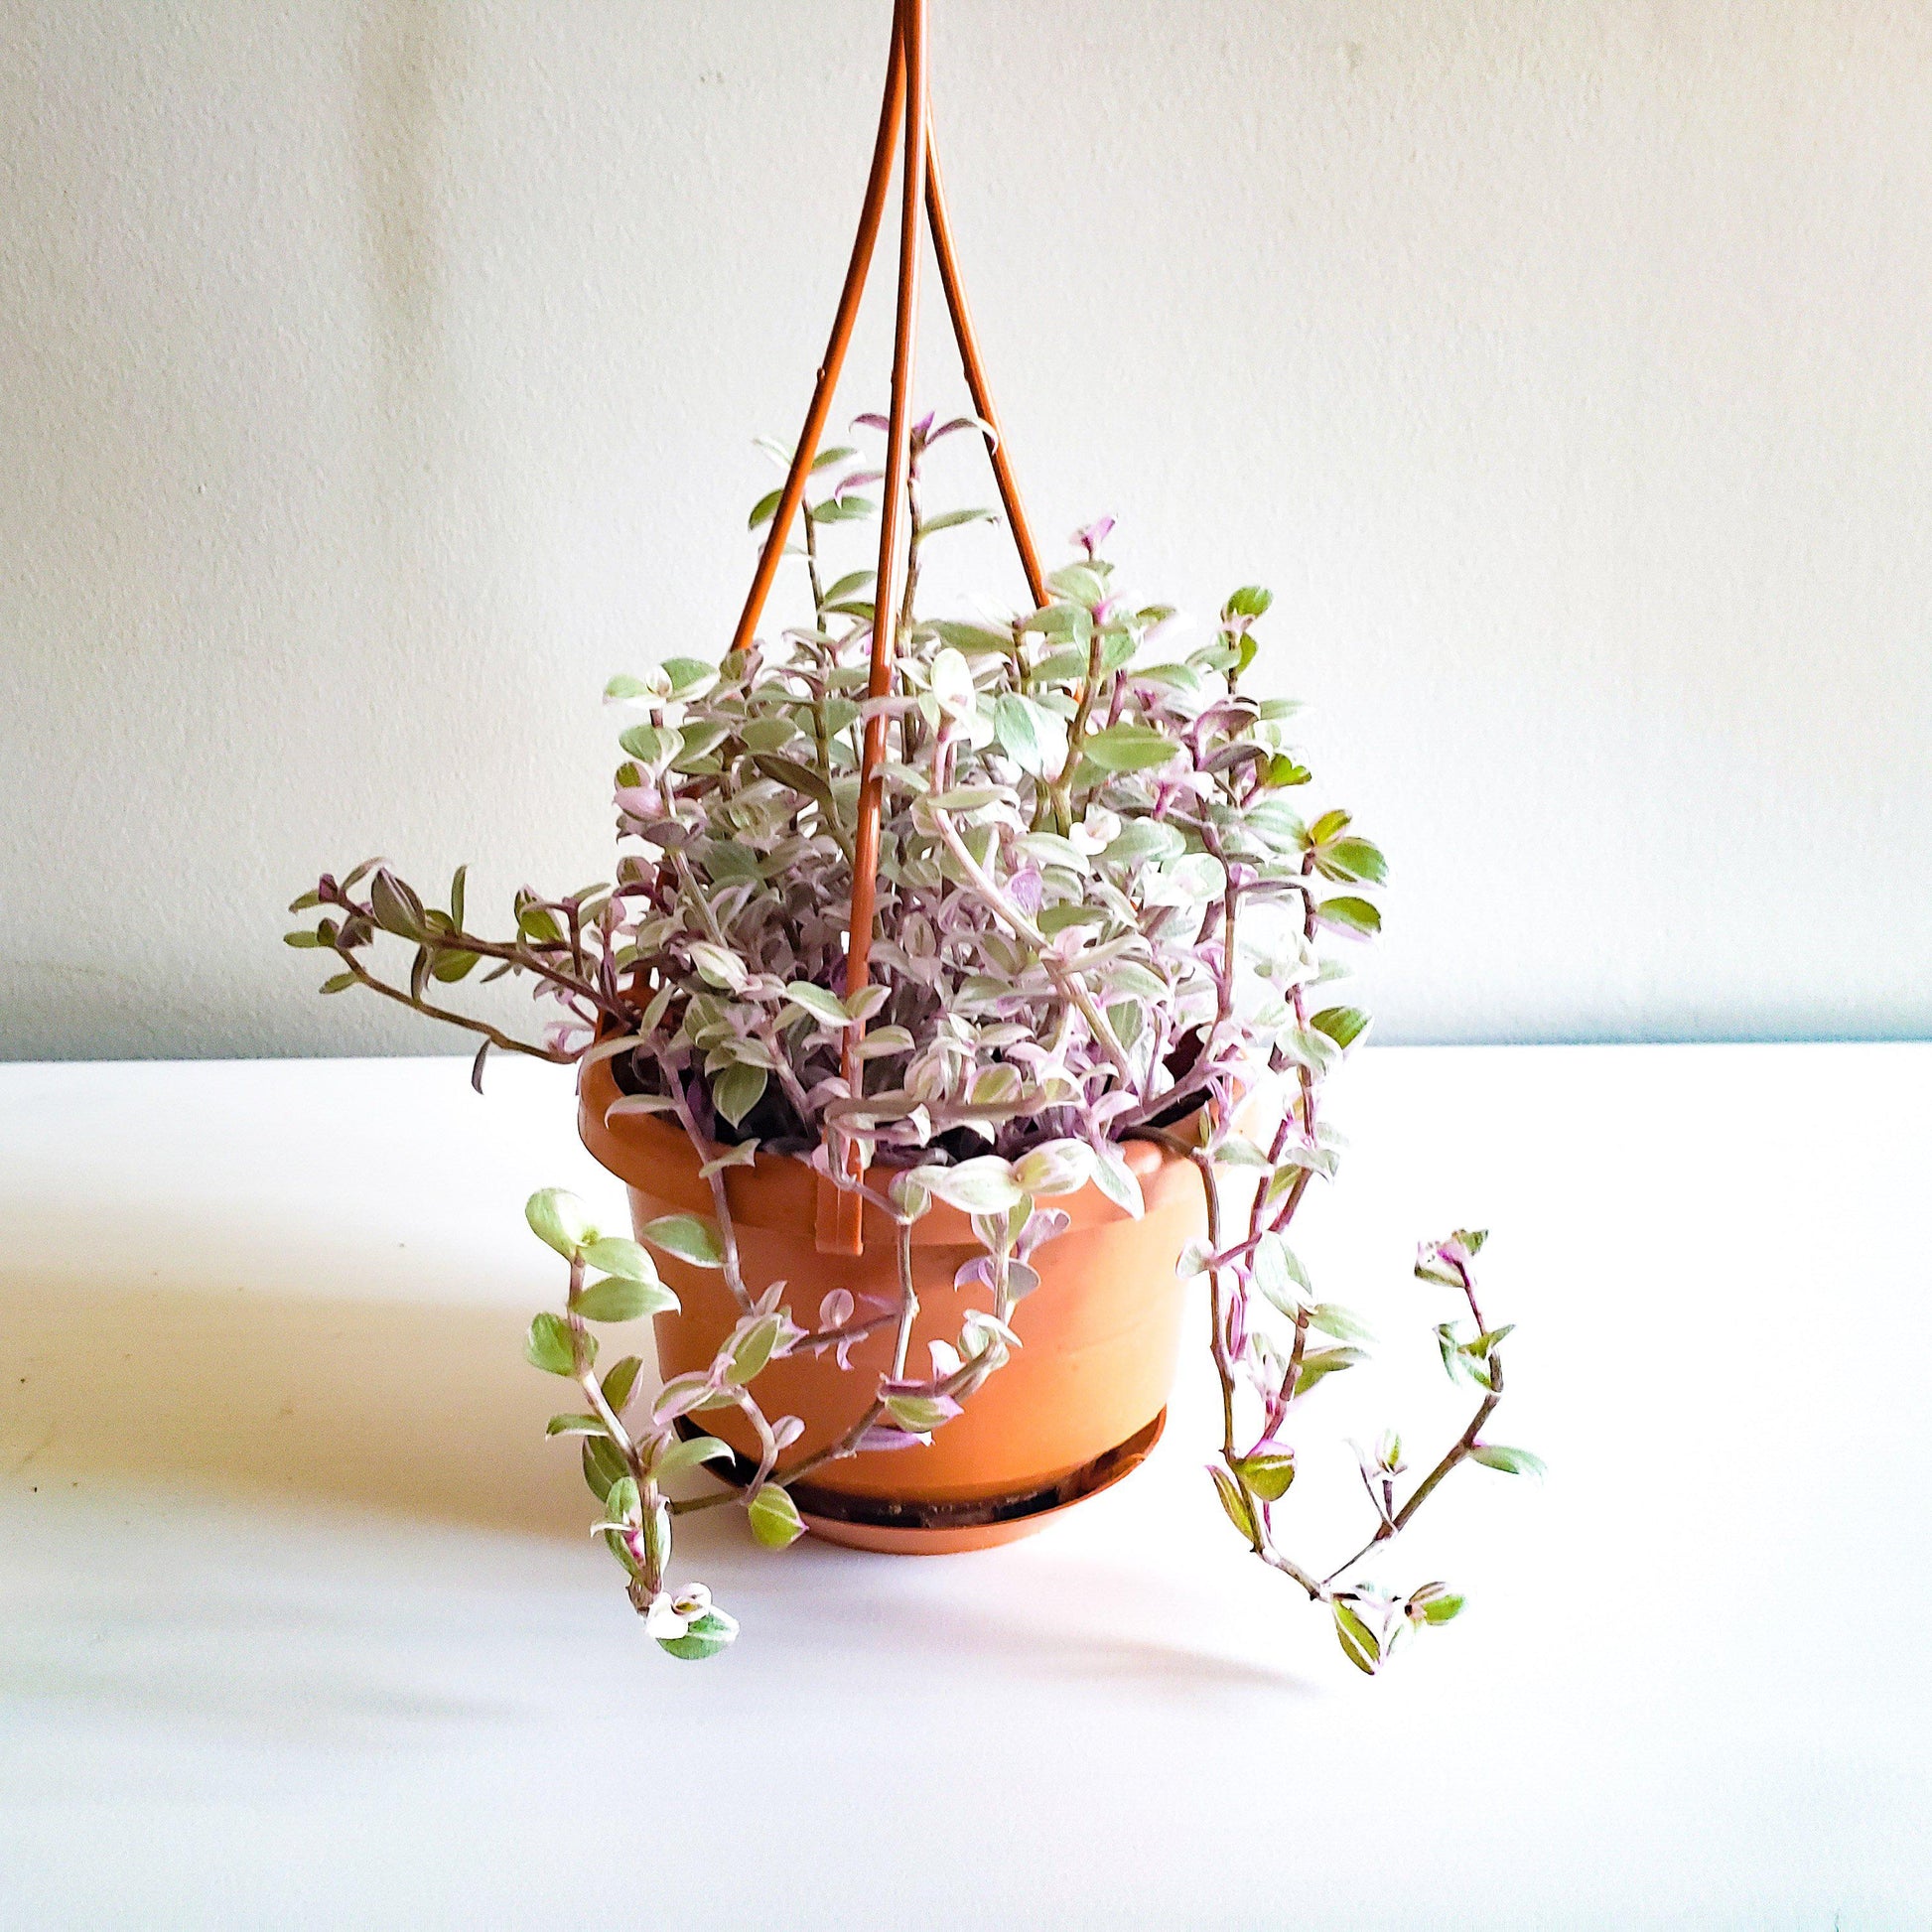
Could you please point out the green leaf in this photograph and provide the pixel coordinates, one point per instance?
(984, 1185)
(775, 1517)
(723, 969)
(951, 520)
(706, 1637)
(1278, 1272)
(974, 639)
(1116, 1179)
(1062, 667)
(603, 1466)
(573, 1426)
(1354, 859)
(691, 1237)
(967, 798)
(919, 1415)
(699, 737)
(1325, 1362)
(618, 1381)
(1031, 735)
(338, 983)
(1061, 620)
(688, 676)
(1056, 919)
(863, 1003)
(762, 508)
(1335, 1320)
(558, 1218)
(303, 939)
(1344, 1025)
(767, 733)
(1437, 1602)
(754, 1349)
(650, 744)
(817, 1002)
(1308, 1047)
(616, 1256)
(1250, 601)
(801, 778)
(842, 509)
(1358, 1642)
(853, 581)
(1349, 914)
(1050, 849)
(1268, 1474)
(547, 1345)
(1142, 839)
(1078, 584)
(738, 1089)
(397, 910)
(1233, 1501)
(1512, 1461)
(1129, 748)
(689, 1452)
(620, 1298)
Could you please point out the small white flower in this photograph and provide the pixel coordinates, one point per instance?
(670, 1617)
(1095, 832)
(945, 1358)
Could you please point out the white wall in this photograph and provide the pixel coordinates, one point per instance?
(377, 378)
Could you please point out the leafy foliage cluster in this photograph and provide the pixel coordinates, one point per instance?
(1103, 914)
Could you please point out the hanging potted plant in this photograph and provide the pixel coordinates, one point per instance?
(962, 1002)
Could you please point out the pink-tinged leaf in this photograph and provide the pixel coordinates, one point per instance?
(884, 1436)
(1042, 1225)
(679, 1396)
(977, 1273)
(1094, 535)
(965, 422)
(892, 707)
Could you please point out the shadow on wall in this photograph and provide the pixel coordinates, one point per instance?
(428, 1410)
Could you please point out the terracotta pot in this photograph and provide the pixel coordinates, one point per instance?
(1079, 1405)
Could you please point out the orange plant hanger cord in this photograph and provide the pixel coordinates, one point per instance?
(905, 126)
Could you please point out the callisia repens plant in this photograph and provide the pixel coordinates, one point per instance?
(1104, 912)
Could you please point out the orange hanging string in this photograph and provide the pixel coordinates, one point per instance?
(904, 125)
(856, 270)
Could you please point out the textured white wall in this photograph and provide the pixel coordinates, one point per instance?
(375, 378)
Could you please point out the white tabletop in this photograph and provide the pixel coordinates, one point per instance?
(300, 1624)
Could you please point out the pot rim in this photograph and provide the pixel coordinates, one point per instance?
(777, 1192)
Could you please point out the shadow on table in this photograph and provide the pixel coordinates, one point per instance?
(425, 1409)
(429, 1410)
